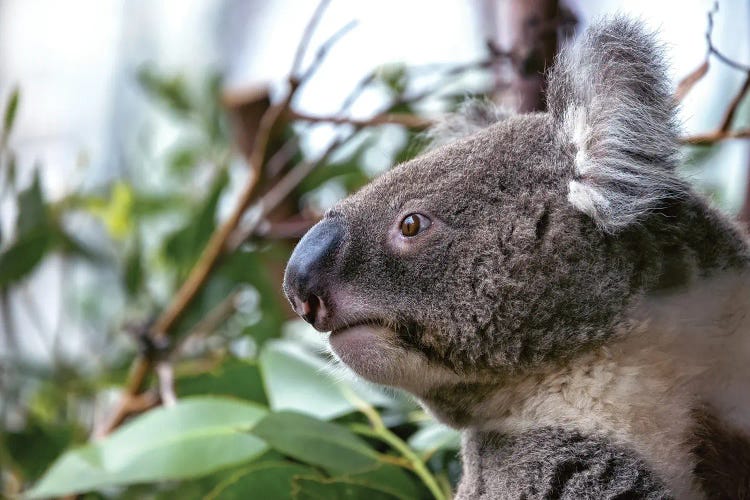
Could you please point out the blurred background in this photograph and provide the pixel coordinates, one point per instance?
(158, 161)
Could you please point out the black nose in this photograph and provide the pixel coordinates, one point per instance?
(308, 276)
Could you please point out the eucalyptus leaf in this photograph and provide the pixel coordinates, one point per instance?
(233, 377)
(172, 91)
(186, 244)
(32, 211)
(272, 480)
(299, 380)
(191, 439)
(435, 436)
(330, 446)
(133, 270)
(22, 256)
(339, 489)
(11, 110)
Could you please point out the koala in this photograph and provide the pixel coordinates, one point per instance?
(549, 285)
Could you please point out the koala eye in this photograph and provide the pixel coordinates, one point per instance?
(413, 224)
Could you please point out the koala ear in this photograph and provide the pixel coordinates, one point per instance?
(472, 116)
(610, 99)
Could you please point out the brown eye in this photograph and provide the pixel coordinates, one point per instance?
(413, 224)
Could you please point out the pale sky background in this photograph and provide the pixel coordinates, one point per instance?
(76, 61)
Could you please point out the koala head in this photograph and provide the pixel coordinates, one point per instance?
(524, 242)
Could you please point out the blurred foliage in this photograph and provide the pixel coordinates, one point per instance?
(259, 413)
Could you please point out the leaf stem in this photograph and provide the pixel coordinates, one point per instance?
(378, 430)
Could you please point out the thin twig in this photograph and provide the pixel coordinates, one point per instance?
(165, 375)
(324, 48)
(304, 41)
(716, 136)
(282, 189)
(275, 165)
(406, 119)
(712, 48)
(689, 81)
(378, 429)
(209, 323)
(726, 122)
(127, 405)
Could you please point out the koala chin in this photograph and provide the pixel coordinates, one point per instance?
(548, 284)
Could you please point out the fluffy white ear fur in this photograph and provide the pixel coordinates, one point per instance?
(610, 98)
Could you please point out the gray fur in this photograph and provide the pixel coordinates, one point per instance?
(472, 116)
(544, 240)
(552, 463)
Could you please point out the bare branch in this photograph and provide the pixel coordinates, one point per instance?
(282, 189)
(712, 48)
(324, 48)
(687, 83)
(405, 119)
(209, 323)
(304, 41)
(128, 405)
(726, 122)
(716, 136)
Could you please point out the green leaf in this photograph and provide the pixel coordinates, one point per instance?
(272, 480)
(435, 436)
(172, 91)
(339, 489)
(296, 380)
(133, 270)
(32, 212)
(183, 160)
(391, 479)
(22, 256)
(191, 439)
(330, 446)
(394, 76)
(186, 244)
(11, 109)
(233, 377)
(34, 447)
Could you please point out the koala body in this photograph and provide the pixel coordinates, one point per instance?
(551, 287)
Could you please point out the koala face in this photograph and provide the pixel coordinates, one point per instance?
(466, 260)
(525, 242)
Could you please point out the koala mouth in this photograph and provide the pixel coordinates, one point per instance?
(367, 324)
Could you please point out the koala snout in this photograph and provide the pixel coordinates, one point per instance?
(308, 276)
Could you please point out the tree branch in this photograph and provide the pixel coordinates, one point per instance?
(406, 119)
(716, 136)
(217, 244)
(726, 122)
(711, 48)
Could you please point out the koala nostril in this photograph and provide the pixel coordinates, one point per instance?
(301, 307)
(312, 310)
